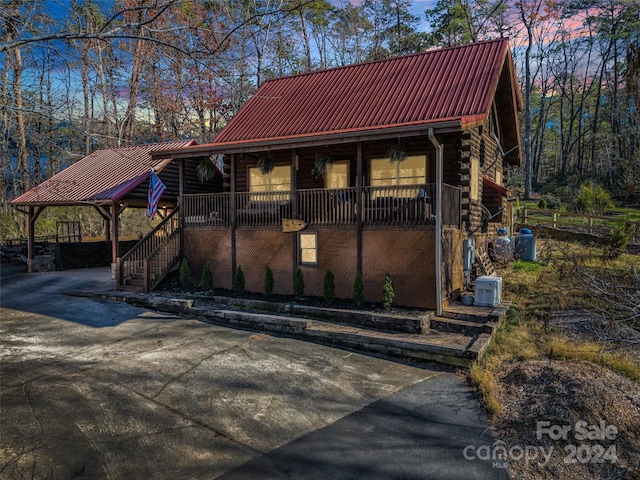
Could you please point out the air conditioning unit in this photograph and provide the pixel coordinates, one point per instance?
(488, 291)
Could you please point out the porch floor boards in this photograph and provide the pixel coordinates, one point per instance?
(452, 341)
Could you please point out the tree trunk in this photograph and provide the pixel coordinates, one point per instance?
(21, 136)
(528, 167)
(4, 134)
(305, 36)
(87, 104)
(134, 87)
(596, 117)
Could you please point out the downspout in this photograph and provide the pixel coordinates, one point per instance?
(438, 235)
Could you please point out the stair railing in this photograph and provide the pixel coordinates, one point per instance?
(153, 256)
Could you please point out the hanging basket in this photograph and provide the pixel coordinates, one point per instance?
(205, 170)
(265, 164)
(320, 164)
(397, 154)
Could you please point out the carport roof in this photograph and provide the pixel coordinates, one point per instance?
(103, 177)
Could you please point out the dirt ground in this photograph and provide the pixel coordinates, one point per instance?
(598, 409)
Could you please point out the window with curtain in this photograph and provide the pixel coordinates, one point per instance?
(308, 248)
(277, 180)
(411, 171)
(337, 175)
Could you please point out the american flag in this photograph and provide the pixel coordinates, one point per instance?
(156, 189)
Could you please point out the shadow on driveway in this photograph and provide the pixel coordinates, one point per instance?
(417, 433)
(47, 293)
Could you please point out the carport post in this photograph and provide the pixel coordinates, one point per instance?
(32, 216)
(114, 239)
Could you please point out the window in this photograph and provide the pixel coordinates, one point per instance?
(308, 248)
(412, 171)
(277, 180)
(336, 175)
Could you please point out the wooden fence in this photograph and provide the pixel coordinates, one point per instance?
(594, 224)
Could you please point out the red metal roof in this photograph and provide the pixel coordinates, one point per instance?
(105, 176)
(456, 83)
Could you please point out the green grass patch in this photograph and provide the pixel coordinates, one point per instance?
(525, 266)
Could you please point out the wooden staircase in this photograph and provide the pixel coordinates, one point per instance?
(143, 267)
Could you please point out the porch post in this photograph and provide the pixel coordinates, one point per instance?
(359, 180)
(294, 184)
(438, 234)
(294, 209)
(232, 190)
(179, 205)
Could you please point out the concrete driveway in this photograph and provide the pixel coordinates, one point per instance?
(94, 389)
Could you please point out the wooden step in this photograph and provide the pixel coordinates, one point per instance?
(444, 347)
(458, 311)
(452, 348)
(439, 346)
(460, 326)
(391, 322)
(131, 288)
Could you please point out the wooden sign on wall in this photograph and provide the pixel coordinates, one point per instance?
(292, 225)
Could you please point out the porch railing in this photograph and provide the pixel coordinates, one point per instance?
(398, 205)
(262, 209)
(321, 206)
(389, 205)
(207, 209)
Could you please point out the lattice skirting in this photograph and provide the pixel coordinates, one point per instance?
(408, 256)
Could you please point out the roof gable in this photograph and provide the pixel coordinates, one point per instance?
(456, 83)
(104, 176)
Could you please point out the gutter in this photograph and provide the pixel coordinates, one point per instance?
(439, 149)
